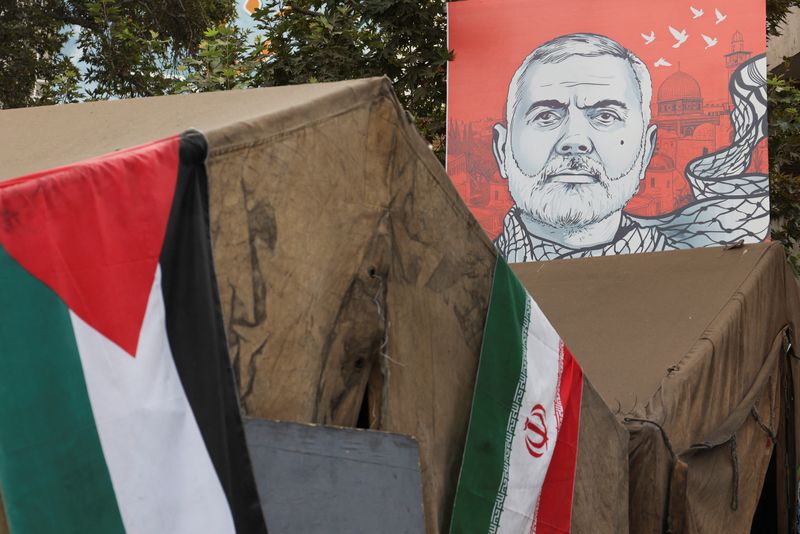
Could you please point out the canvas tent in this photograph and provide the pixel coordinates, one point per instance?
(355, 286)
(692, 348)
(354, 281)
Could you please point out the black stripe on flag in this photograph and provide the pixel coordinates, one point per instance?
(197, 338)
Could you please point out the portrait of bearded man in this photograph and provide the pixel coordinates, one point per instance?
(577, 141)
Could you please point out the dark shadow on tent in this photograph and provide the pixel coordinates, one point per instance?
(765, 518)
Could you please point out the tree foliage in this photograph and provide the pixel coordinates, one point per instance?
(784, 146)
(128, 47)
(148, 47)
(31, 51)
(225, 60)
(776, 14)
(323, 40)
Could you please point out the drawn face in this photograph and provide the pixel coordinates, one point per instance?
(577, 144)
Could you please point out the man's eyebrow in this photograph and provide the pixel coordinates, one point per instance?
(552, 104)
(575, 84)
(604, 104)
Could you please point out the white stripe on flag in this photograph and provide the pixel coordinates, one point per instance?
(526, 473)
(160, 469)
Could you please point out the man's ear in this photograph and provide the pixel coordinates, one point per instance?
(650, 138)
(499, 135)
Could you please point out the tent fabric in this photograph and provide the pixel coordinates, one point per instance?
(600, 498)
(34, 139)
(692, 348)
(352, 273)
(355, 284)
(347, 263)
(354, 281)
(362, 272)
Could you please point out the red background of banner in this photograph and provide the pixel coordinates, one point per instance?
(490, 38)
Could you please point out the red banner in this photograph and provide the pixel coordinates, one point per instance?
(643, 125)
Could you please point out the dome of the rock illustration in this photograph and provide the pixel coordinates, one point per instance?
(679, 86)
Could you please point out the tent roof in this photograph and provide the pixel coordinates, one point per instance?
(629, 318)
(691, 349)
(35, 139)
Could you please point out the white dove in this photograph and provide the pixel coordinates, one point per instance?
(662, 63)
(679, 36)
(696, 12)
(709, 41)
(649, 38)
(720, 16)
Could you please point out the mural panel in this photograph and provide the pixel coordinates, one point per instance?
(590, 129)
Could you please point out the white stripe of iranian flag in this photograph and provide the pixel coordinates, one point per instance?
(526, 473)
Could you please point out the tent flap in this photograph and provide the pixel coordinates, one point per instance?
(600, 502)
(688, 344)
(355, 284)
(726, 469)
(353, 278)
(720, 404)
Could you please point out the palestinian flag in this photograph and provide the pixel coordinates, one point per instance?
(518, 470)
(117, 404)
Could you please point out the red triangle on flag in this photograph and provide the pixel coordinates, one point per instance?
(93, 232)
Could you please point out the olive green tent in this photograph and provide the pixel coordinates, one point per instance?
(354, 281)
(693, 350)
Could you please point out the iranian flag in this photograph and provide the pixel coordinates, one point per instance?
(518, 471)
(117, 404)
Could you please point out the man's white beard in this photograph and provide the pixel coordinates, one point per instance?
(572, 206)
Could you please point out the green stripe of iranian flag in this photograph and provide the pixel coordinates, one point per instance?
(89, 438)
(519, 461)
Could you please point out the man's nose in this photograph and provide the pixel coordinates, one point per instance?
(574, 145)
(575, 139)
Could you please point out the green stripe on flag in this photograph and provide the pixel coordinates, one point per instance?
(52, 470)
(499, 369)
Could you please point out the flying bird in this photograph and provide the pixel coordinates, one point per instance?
(662, 63)
(709, 41)
(679, 36)
(720, 16)
(649, 38)
(696, 12)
